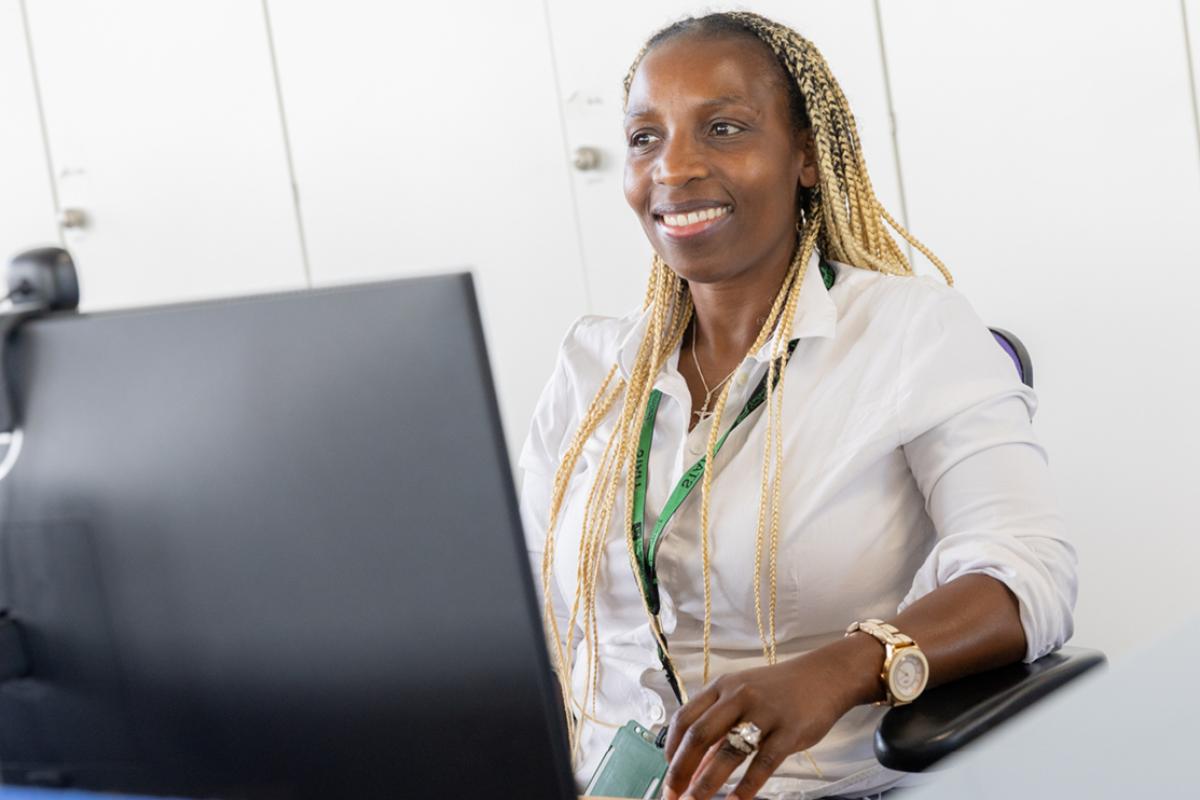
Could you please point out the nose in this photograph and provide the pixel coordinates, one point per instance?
(680, 160)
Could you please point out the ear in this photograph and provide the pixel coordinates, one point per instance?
(806, 159)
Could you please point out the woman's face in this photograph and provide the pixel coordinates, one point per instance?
(713, 161)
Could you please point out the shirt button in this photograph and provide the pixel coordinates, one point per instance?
(697, 449)
(742, 378)
(657, 713)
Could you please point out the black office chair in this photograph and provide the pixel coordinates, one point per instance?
(913, 738)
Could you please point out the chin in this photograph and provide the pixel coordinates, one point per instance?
(696, 270)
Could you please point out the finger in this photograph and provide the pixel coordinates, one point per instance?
(709, 729)
(704, 762)
(709, 755)
(770, 755)
(709, 780)
(685, 716)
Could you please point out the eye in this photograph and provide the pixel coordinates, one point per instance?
(726, 128)
(642, 139)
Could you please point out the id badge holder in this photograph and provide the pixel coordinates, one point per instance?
(634, 765)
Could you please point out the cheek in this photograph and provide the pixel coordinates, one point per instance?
(635, 186)
(769, 190)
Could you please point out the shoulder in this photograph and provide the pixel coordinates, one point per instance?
(939, 351)
(594, 336)
(860, 291)
(898, 315)
(586, 354)
(591, 346)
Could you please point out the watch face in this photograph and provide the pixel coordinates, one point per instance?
(908, 675)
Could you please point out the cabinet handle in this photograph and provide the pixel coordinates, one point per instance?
(72, 218)
(586, 159)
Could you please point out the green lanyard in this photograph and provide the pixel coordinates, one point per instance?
(646, 549)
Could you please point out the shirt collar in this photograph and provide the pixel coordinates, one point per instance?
(816, 317)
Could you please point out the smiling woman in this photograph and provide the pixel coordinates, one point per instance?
(714, 159)
(897, 478)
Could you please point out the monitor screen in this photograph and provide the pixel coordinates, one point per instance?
(269, 547)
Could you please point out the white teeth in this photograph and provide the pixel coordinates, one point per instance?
(691, 218)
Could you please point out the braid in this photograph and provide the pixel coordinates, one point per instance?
(841, 218)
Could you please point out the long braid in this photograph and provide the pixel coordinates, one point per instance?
(843, 220)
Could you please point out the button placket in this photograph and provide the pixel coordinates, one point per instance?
(697, 439)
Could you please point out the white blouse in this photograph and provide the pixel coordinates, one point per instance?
(909, 460)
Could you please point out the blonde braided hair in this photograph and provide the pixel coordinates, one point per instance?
(842, 219)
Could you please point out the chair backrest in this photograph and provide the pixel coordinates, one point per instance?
(1017, 352)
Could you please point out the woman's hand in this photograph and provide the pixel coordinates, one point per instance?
(794, 703)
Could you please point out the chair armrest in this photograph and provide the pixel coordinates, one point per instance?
(912, 738)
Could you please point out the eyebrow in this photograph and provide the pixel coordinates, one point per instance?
(723, 100)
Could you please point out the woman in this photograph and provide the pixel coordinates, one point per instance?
(897, 478)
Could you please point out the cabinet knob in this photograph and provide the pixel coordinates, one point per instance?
(586, 159)
(72, 218)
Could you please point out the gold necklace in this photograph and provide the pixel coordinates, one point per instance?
(704, 413)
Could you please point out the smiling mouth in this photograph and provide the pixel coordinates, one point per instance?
(693, 222)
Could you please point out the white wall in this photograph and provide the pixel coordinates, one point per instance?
(163, 129)
(27, 212)
(1051, 159)
(426, 139)
(1047, 151)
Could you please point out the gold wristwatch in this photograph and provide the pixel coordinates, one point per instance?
(905, 668)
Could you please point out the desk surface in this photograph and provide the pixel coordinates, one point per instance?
(1128, 731)
(23, 793)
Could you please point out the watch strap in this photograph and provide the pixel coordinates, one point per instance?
(893, 641)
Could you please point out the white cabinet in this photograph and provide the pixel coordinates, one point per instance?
(1050, 158)
(26, 201)
(164, 132)
(594, 48)
(426, 137)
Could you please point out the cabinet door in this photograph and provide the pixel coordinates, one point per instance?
(594, 47)
(1050, 158)
(426, 137)
(26, 201)
(164, 132)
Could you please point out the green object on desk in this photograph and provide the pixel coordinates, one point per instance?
(634, 766)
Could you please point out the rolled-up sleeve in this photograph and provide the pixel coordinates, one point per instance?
(965, 424)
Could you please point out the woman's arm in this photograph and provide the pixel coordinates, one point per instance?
(966, 626)
(970, 625)
(998, 585)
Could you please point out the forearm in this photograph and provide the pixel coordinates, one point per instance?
(969, 625)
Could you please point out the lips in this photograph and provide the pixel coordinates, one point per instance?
(692, 217)
(681, 221)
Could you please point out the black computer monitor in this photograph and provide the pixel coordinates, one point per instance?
(269, 547)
